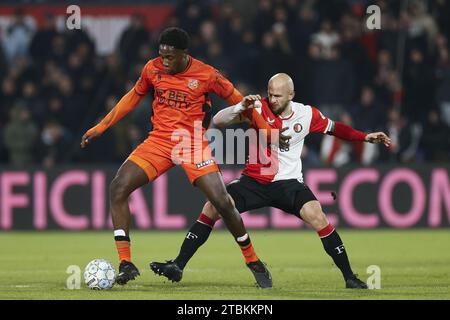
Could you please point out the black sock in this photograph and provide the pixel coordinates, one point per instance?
(122, 238)
(244, 243)
(335, 249)
(195, 238)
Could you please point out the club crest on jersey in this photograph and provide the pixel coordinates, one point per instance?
(298, 127)
(193, 84)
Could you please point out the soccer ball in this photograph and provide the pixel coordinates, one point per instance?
(99, 274)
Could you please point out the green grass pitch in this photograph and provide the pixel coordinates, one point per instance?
(414, 265)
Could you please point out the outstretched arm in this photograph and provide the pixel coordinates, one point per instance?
(128, 103)
(378, 137)
(346, 132)
(320, 123)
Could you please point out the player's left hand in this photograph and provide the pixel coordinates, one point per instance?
(87, 137)
(251, 101)
(378, 137)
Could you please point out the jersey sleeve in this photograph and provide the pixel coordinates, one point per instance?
(220, 85)
(320, 123)
(144, 83)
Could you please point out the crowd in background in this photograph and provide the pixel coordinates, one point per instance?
(54, 85)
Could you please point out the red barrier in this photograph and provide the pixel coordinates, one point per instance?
(155, 15)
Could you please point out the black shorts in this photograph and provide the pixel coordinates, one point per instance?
(287, 195)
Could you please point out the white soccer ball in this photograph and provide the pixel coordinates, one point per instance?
(99, 274)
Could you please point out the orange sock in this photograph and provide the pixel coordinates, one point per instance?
(249, 253)
(123, 248)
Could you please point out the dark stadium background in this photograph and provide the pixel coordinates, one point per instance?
(56, 83)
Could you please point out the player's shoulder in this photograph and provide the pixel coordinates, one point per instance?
(155, 64)
(301, 108)
(198, 66)
(152, 66)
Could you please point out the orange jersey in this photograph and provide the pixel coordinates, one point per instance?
(181, 99)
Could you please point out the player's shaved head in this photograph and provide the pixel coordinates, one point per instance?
(282, 80)
(280, 91)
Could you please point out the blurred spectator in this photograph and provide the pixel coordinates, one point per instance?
(275, 54)
(78, 40)
(3, 62)
(207, 36)
(435, 142)
(353, 51)
(247, 59)
(422, 27)
(327, 38)
(263, 19)
(333, 86)
(191, 14)
(230, 30)
(419, 86)
(386, 80)
(30, 98)
(20, 136)
(54, 141)
(119, 146)
(132, 39)
(389, 38)
(59, 50)
(43, 39)
(8, 96)
(404, 139)
(369, 112)
(441, 10)
(443, 80)
(336, 152)
(304, 27)
(18, 36)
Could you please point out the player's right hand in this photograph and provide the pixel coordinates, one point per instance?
(284, 140)
(251, 101)
(87, 137)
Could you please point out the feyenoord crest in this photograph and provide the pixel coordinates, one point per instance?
(298, 127)
(193, 84)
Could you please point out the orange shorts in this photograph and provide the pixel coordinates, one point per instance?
(155, 156)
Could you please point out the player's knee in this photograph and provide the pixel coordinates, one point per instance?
(118, 189)
(312, 214)
(223, 203)
(210, 211)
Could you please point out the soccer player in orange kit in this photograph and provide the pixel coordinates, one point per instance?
(181, 86)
